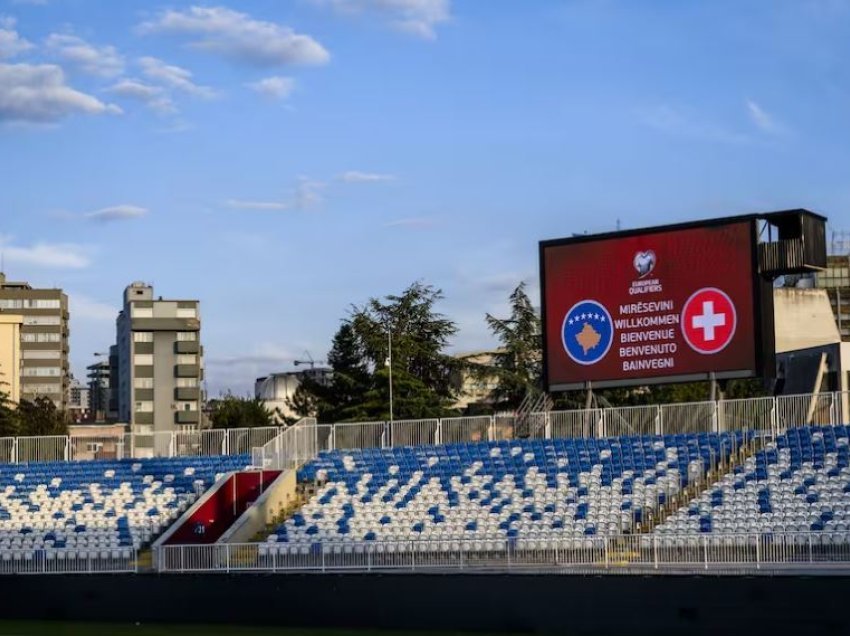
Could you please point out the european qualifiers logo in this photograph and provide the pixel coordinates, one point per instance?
(644, 263)
(587, 332)
(709, 320)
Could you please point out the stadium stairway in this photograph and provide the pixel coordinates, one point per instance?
(728, 461)
(798, 483)
(218, 508)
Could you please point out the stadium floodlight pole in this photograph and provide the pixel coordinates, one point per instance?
(390, 366)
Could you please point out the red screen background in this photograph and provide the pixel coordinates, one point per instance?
(686, 260)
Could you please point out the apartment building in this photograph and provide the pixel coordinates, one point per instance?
(10, 355)
(159, 362)
(44, 339)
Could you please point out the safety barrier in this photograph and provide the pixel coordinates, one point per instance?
(68, 561)
(765, 414)
(750, 553)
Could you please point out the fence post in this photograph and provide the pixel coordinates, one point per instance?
(655, 550)
(171, 445)
(323, 558)
(14, 457)
(774, 423)
(758, 552)
(227, 557)
(491, 429)
(605, 549)
(810, 548)
(659, 420)
(705, 551)
(438, 434)
(67, 447)
(224, 440)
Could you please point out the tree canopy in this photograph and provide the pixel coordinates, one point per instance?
(360, 359)
(231, 411)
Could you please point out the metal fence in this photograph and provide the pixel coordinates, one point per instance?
(767, 414)
(752, 553)
(68, 561)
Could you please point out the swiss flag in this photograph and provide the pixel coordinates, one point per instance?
(708, 320)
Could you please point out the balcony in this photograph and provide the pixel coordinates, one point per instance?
(186, 394)
(186, 417)
(165, 324)
(186, 370)
(186, 347)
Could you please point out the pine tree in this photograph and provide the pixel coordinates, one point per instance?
(518, 361)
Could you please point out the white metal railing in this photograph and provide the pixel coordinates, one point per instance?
(290, 449)
(613, 554)
(68, 561)
(767, 414)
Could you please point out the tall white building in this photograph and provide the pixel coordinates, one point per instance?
(159, 362)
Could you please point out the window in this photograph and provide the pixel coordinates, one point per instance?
(187, 406)
(142, 336)
(41, 337)
(41, 371)
(45, 304)
(187, 358)
(187, 383)
(36, 389)
(143, 359)
(187, 336)
(27, 303)
(142, 312)
(42, 320)
(54, 354)
(186, 312)
(94, 447)
(143, 383)
(11, 303)
(144, 407)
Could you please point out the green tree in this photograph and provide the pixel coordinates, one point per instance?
(8, 416)
(40, 417)
(517, 365)
(419, 335)
(231, 411)
(341, 399)
(360, 358)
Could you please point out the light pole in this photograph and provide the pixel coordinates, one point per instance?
(390, 367)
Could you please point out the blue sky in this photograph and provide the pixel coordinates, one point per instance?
(282, 160)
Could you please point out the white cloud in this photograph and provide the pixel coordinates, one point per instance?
(763, 121)
(47, 255)
(83, 307)
(238, 36)
(308, 192)
(414, 223)
(674, 122)
(241, 204)
(38, 93)
(121, 212)
(11, 43)
(154, 97)
(104, 61)
(418, 17)
(355, 176)
(274, 87)
(173, 76)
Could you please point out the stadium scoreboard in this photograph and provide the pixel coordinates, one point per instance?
(669, 304)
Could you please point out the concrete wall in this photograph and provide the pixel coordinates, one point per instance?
(276, 497)
(496, 603)
(803, 319)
